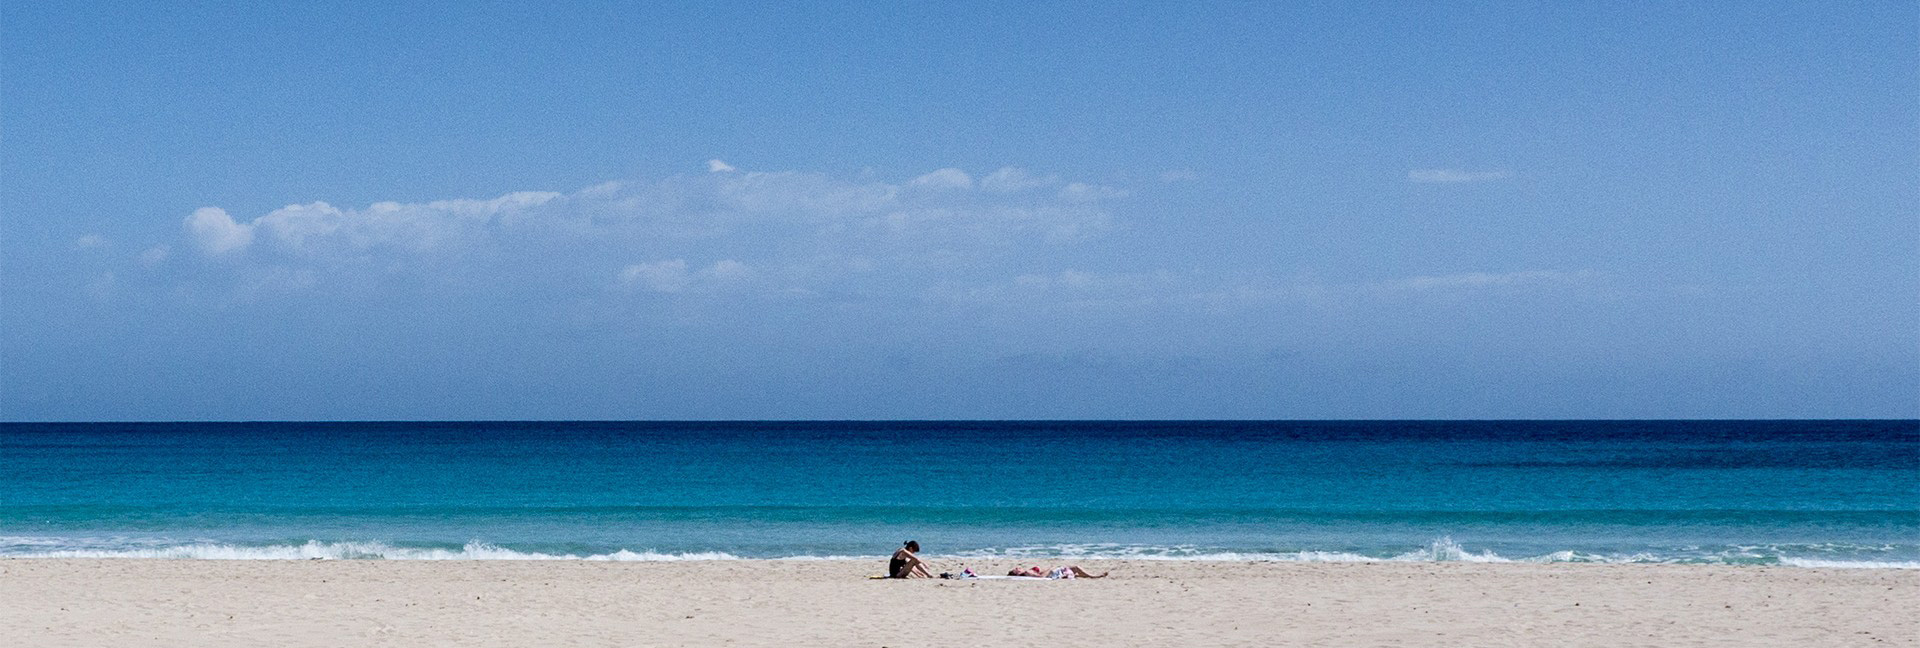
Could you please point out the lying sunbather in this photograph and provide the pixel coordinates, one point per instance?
(1069, 571)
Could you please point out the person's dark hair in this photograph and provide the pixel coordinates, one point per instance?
(913, 546)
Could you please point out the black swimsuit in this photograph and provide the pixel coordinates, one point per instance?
(894, 566)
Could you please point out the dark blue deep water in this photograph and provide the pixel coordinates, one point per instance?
(1753, 492)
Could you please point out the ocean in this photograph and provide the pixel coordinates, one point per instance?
(1800, 493)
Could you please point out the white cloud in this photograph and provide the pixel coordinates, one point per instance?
(729, 270)
(1015, 180)
(517, 200)
(1073, 288)
(1454, 176)
(298, 227)
(659, 276)
(1469, 280)
(716, 166)
(90, 241)
(770, 231)
(153, 256)
(674, 275)
(607, 188)
(944, 179)
(811, 196)
(1264, 291)
(320, 230)
(216, 232)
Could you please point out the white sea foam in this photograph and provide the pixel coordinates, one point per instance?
(1851, 564)
(316, 550)
(1445, 549)
(1439, 550)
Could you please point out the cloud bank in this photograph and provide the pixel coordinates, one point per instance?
(947, 239)
(683, 234)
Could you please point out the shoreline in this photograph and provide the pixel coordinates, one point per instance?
(142, 602)
(1440, 550)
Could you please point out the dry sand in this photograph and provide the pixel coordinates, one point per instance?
(780, 603)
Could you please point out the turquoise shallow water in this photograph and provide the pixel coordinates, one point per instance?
(1800, 493)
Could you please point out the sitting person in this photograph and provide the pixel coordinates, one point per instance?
(906, 562)
(1069, 571)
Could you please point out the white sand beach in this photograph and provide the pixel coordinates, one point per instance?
(94, 602)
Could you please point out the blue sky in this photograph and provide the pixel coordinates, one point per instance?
(1151, 210)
